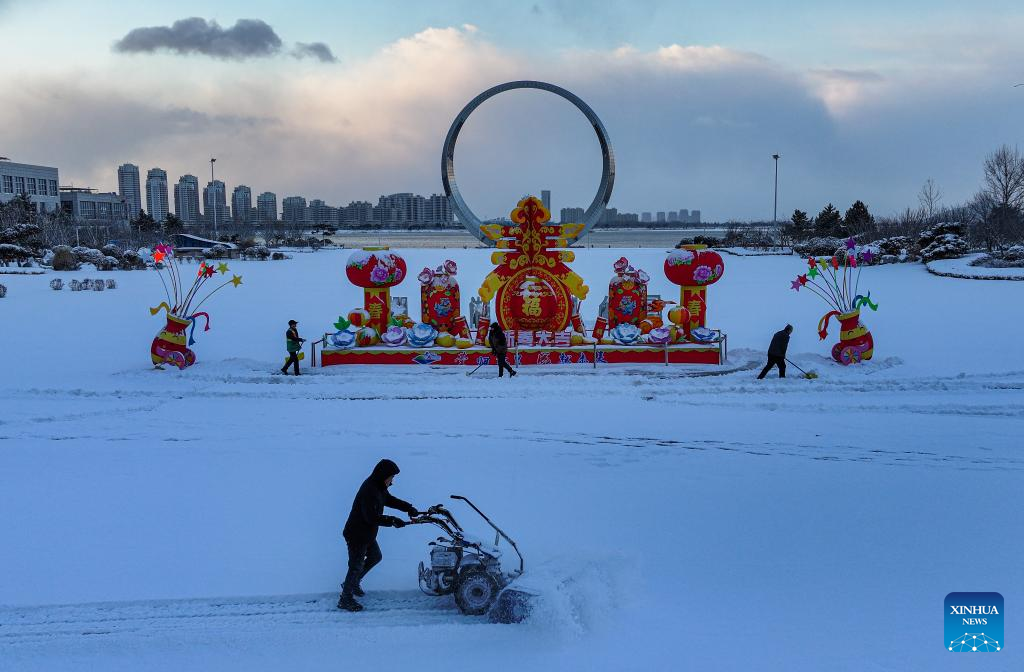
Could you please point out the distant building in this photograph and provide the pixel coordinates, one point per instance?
(91, 208)
(439, 210)
(661, 217)
(39, 182)
(130, 188)
(673, 216)
(645, 217)
(241, 204)
(215, 204)
(357, 213)
(266, 207)
(156, 194)
(186, 200)
(318, 213)
(694, 217)
(572, 215)
(545, 198)
(294, 210)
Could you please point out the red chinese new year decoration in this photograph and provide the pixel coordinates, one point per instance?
(532, 285)
(693, 268)
(376, 270)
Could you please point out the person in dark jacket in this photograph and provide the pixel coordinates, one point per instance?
(777, 352)
(499, 346)
(294, 345)
(366, 517)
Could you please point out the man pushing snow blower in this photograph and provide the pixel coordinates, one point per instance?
(364, 520)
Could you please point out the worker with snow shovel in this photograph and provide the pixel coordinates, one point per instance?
(777, 352)
(294, 345)
(499, 346)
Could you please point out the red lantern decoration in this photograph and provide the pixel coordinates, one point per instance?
(376, 270)
(534, 304)
(693, 268)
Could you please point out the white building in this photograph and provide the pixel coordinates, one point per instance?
(39, 182)
(92, 208)
(129, 186)
(156, 194)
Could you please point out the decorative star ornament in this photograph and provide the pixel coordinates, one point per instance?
(795, 285)
(208, 271)
(236, 280)
(158, 256)
(813, 273)
(835, 263)
(851, 261)
(802, 279)
(222, 267)
(851, 243)
(812, 262)
(867, 256)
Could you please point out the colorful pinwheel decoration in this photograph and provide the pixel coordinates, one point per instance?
(836, 281)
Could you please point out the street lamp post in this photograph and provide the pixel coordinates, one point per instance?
(213, 198)
(775, 207)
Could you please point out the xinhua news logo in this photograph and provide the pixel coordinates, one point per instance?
(974, 622)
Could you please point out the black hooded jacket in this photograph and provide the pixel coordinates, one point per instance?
(779, 344)
(368, 507)
(496, 339)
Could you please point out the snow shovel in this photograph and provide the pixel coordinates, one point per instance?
(477, 367)
(809, 376)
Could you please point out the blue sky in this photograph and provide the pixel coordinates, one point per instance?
(863, 100)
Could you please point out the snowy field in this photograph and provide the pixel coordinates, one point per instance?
(165, 520)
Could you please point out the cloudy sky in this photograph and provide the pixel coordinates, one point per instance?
(347, 100)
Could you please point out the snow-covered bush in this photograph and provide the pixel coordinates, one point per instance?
(259, 252)
(278, 256)
(112, 250)
(1012, 257)
(217, 252)
(132, 261)
(87, 255)
(3, 291)
(111, 283)
(943, 241)
(75, 285)
(57, 284)
(64, 259)
(824, 246)
(10, 252)
(98, 286)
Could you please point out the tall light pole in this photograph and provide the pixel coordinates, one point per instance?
(775, 208)
(213, 199)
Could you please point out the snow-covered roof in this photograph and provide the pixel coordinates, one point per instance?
(184, 240)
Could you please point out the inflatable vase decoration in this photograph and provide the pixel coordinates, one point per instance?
(855, 341)
(627, 295)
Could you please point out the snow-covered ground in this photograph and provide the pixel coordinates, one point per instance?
(167, 520)
(964, 268)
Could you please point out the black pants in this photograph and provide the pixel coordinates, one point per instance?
(774, 361)
(292, 357)
(362, 557)
(503, 364)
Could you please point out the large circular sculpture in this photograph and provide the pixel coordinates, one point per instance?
(451, 187)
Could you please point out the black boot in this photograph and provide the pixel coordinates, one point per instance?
(348, 603)
(358, 591)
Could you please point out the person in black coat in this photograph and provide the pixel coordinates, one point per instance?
(499, 346)
(777, 352)
(364, 520)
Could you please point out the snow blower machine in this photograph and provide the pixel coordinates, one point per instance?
(471, 568)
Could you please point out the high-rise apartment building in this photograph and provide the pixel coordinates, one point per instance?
(129, 186)
(545, 198)
(266, 207)
(241, 204)
(186, 200)
(215, 204)
(572, 215)
(293, 210)
(156, 194)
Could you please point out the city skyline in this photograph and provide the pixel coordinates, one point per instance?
(695, 102)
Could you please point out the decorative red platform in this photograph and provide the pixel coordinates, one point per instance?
(592, 355)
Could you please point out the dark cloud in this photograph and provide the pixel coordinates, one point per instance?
(248, 38)
(317, 50)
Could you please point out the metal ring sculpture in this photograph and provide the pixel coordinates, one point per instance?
(451, 187)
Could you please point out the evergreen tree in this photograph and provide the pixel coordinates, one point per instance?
(173, 224)
(828, 222)
(858, 219)
(799, 219)
(144, 222)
